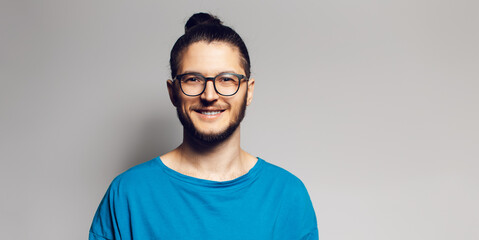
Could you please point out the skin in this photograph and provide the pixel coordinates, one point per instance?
(223, 160)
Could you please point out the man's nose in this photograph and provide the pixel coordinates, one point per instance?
(210, 93)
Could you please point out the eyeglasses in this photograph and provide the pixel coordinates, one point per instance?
(225, 84)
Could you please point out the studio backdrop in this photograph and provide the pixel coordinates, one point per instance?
(373, 104)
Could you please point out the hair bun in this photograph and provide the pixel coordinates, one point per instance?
(201, 18)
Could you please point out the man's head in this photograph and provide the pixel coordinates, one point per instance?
(207, 28)
(206, 51)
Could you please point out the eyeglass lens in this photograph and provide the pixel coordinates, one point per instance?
(226, 84)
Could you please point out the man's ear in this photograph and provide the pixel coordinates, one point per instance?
(172, 92)
(250, 91)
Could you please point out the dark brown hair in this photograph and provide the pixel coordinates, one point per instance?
(208, 28)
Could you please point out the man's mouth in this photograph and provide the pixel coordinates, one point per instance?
(209, 112)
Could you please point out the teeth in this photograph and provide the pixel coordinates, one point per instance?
(210, 112)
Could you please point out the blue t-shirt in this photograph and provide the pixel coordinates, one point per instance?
(152, 201)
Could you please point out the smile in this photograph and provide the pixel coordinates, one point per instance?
(209, 113)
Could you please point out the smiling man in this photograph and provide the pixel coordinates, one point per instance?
(208, 187)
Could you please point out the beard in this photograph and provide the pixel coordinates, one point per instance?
(212, 138)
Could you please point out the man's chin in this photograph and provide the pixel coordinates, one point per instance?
(210, 133)
(213, 137)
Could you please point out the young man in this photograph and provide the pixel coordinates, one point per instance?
(208, 187)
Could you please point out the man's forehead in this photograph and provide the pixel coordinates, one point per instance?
(211, 58)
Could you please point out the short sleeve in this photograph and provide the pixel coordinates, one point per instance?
(93, 236)
(104, 224)
(313, 235)
(296, 219)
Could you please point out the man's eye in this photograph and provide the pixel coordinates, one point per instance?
(227, 79)
(191, 79)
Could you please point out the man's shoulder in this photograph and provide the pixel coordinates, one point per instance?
(138, 175)
(281, 175)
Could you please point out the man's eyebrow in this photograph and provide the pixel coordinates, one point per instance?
(232, 71)
(193, 72)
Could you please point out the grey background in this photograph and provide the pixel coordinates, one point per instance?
(373, 104)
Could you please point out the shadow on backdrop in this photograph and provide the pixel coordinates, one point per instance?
(159, 134)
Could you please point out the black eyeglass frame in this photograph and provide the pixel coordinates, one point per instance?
(213, 79)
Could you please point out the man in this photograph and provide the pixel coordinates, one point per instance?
(208, 187)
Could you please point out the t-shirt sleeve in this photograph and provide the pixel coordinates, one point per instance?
(313, 235)
(104, 225)
(93, 236)
(296, 219)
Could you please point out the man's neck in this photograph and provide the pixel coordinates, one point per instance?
(218, 162)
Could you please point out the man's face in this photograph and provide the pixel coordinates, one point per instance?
(211, 117)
